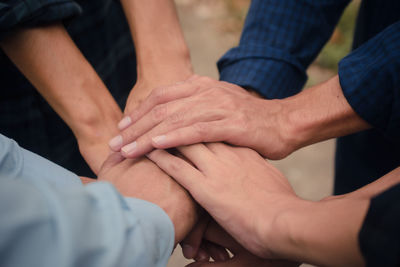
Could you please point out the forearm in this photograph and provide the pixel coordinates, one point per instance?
(326, 232)
(317, 114)
(54, 65)
(322, 233)
(160, 46)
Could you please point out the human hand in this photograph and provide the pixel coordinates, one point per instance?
(92, 139)
(144, 85)
(240, 190)
(215, 236)
(204, 110)
(142, 179)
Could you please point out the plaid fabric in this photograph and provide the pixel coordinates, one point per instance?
(370, 79)
(282, 37)
(279, 40)
(379, 235)
(17, 13)
(100, 30)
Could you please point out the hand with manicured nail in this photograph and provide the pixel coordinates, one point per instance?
(203, 110)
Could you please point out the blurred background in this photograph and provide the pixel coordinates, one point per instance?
(211, 28)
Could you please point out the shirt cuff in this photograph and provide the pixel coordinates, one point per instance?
(140, 231)
(369, 78)
(29, 13)
(157, 227)
(266, 70)
(379, 237)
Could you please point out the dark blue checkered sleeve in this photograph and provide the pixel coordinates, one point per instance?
(27, 13)
(370, 79)
(280, 39)
(379, 237)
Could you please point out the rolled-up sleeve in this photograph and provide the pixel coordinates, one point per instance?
(280, 39)
(379, 236)
(27, 13)
(370, 79)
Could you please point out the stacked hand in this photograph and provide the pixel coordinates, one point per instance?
(250, 199)
(221, 181)
(142, 179)
(159, 117)
(215, 235)
(204, 110)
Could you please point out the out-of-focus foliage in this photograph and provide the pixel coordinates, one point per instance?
(338, 46)
(340, 43)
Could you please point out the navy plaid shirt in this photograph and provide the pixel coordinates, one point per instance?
(100, 30)
(282, 37)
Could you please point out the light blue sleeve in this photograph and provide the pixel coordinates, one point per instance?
(45, 224)
(20, 164)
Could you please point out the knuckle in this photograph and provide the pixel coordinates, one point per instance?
(229, 102)
(205, 79)
(201, 129)
(128, 136)
(159, 112)
(176, 118)
(175, 165)
(158, 94)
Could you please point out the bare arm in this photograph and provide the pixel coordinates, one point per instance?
(206, 110)
(54, 65)
(162, 55)
(319, 113)
(258, 207)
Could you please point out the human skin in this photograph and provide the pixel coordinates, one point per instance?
(50, 60)
(128, 177)
(241, 257)
(255, 204)
(162, 55)
(206, 110)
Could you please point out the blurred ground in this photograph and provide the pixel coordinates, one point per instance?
(211, 28)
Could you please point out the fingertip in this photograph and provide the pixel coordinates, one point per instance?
(202, 255)
(124, 123)
(188, 251)
(116, 143)
(159, 141)
(129, 150)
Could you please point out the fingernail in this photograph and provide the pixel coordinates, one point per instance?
(202, 256)
(116, 142)
(129, 149)
(187, 251)
(125, 122)
(223, 256)
(159, 140)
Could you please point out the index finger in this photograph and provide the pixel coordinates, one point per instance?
(158, 96)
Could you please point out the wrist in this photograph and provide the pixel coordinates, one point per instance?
(283, 235)
(156, 75)
(318, 114)
(170, 66)
(274, 122)
(183, 212)
(323, 233)
(96, 117)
